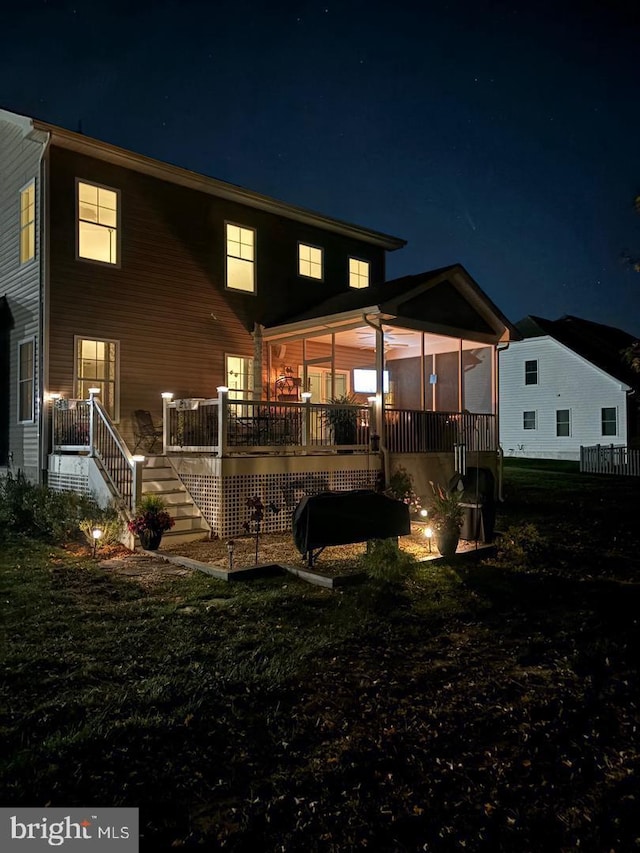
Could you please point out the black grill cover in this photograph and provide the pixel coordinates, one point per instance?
(340, 518)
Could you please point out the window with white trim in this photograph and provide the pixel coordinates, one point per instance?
(531, 372)
(98, 223)
(26, 381)
(241, 250)
(28, 222)
(358, 273)
(239, 377)
(309, 261)
(563, 422)
(529, 420)
(609, 420)
(96, 366)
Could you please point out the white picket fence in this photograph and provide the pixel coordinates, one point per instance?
(610, 459)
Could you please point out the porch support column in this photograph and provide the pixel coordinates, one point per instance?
(257, 361)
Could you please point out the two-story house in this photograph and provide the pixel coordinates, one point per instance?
(566, 385)
(135, 293)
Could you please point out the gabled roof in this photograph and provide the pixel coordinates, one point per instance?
(444, 301)
(599, 344)
(177, 175)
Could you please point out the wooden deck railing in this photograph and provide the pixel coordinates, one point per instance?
(429, 432)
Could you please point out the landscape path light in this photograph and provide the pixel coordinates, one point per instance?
(96, 533)
(428, 532)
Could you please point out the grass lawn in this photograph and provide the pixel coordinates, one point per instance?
(489, 707)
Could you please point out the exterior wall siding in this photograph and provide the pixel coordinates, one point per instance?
(565, 381)
(166, 303)
(20, 284)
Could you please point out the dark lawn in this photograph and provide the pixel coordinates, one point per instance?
(493, 707)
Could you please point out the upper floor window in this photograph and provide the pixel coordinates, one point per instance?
(609, 420)
(563, 422)
(529, 420)
(96, 366)
(26, 381)
(241, 250)
(358, 273)
(98, 223)
(28, 222)
(531, 372)
(309, 261)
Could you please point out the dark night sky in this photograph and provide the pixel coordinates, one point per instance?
(501, 135)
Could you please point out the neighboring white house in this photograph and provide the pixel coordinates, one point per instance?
(566, 384)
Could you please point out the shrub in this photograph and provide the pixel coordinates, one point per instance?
(385, 563)
(31, 510)
(521, 545)
(106, 519)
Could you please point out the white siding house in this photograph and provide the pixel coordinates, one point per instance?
(554, 399)
(21, 152)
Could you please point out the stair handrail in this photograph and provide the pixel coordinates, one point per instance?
(123, 471)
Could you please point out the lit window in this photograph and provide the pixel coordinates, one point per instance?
(28, 223)
(97, 367)
(26, 381)
(309, 261)
(609, 421)
(529, 420)
(97, 223)
(241, 258)
(358, 273)
(563, 422)
(239, 379)
(531, 372)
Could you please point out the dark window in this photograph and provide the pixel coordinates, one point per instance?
(563, 422)
(529, 420)
(531, 372)
(610, 421)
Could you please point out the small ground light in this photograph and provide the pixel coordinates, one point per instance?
(428, 532)
(424, 513)
(97, 535)
(230, 546)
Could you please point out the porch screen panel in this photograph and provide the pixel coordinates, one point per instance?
(447, 381)
(476, 379)
(239, 377)
(96, 367)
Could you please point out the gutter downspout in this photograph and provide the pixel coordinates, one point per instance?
(497, 414)
(380, 402)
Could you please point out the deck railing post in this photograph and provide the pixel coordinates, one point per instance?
(223, 419)
(306, 421)
(92, 420)
(136, 490)
(167, 397)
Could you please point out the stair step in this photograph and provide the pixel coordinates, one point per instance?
(177, 536)
(169, 496)
(186, 523)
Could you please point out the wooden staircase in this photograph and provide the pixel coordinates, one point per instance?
(159, 478)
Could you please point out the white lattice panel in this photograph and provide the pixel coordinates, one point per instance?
(224, 503)
(64, 482)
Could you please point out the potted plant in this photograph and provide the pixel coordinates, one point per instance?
(150, 521)
(446, 516)
(342, 417)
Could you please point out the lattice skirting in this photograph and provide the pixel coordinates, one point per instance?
(65, 482)
(223, 501)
